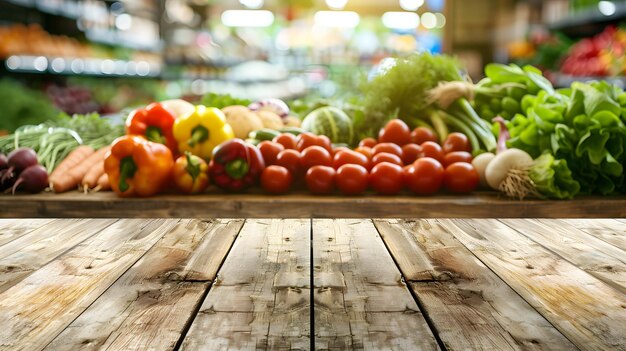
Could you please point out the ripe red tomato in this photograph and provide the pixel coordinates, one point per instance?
(395, 131)
(388, 147)
(461, 177)
(276, 179)
(339, 148)
(287, 140)
(315, 156)
(457, 156)
(344, 157)
(270, 150)
(320, 180)
(425, 176)
(386, 178)
(351, 179)
(421, 135)
(387, 157)
(456, 142)
(410, 153)
(365, 150)
(433, 150)
(291, 160)
(305, 140)
(369, 142)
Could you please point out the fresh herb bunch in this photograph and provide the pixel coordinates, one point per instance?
(222, 100)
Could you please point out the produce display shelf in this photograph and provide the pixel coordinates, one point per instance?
(301, 205)
(590, 21)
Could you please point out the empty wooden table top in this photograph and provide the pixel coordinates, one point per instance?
(301, 284)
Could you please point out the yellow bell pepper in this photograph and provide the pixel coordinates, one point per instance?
(201, 130)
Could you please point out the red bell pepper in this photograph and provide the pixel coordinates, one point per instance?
(236, 165)
(154, 123)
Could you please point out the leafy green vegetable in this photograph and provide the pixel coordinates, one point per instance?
(552, 178)
(222, 100)
(21, 105)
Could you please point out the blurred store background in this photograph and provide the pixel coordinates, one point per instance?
(104, 56)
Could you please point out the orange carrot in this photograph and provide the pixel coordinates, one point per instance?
(74, 176)
(104, 183)
(90, 180)
(70, 161)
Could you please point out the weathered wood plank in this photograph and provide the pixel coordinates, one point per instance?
(587, 311)
(260, 299)
(11, 229)
(150, 305)
(610, 230)
(471, 308)
(38, 308)
(301, 205)
(42, 246)
(596, 257)
(361, 302)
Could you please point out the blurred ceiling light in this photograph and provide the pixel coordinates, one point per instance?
(607, 8)
(336, 4)
(252, 4)
(247, 18)
(411, 5)
(123, 21)
(401, 20)
(340, 19)
(436, 5)
(441, 20)
(429, 20)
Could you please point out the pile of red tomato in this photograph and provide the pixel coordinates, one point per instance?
(399, 159)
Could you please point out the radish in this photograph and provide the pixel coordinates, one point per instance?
(33, 179)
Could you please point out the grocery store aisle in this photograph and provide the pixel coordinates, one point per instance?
(455, 284)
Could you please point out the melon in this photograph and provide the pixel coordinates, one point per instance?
(332, 122)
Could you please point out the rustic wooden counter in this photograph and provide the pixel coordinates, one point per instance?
(304, 284)
(481, 205)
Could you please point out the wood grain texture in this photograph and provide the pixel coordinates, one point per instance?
(38, 308)
(470, 307)
(613, 231)
(588, 312)
(150, 305)
(10, 229)
(300, 205)
(361, 302)
(596, 257)
(42, 245)
(260, 299)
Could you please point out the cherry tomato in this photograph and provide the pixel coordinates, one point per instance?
(276, 179)
(305, 140)
(351, 179)
(339, 148)
(344, 157)
(395, 131)
(410, 153)
(320, 180)
(457, 156)
(388, 147)
(287, 140)
(433, 150)
(425, 176)
(315, 156)
(369, 142)
(461, 177)
(367, 151)
(456, 142)
(387, 157)
(421, 135)
(291, 160)
(386, 178)
(270, 150)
